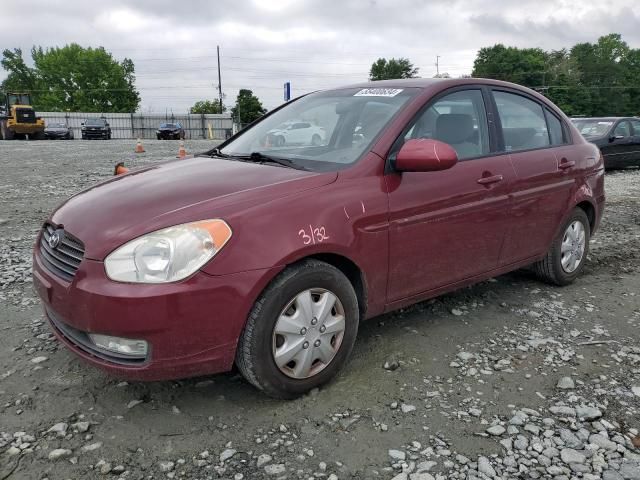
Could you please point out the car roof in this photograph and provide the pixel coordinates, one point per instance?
(430, 82)
(604, 119)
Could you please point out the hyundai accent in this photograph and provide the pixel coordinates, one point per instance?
(268, 255)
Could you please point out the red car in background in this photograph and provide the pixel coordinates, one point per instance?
(269, 255)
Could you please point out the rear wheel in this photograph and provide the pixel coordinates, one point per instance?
(300, 331)
(566, 258)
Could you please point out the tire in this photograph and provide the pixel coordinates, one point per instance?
(550, 269)
(255, 355)
(316, 140)
(7, 134)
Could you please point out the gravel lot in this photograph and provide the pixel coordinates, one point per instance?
(508, 379)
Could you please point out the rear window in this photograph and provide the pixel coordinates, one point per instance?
(524, 126)
(556, 131)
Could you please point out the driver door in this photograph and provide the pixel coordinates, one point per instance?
(448, 226)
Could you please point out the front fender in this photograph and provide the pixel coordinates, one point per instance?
(346, 218)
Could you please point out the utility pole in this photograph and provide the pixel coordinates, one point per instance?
(219, 79)
(437, 65)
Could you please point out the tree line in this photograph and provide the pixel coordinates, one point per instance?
(74, 78)
(591, 79)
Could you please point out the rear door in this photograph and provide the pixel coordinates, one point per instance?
(533, 136)
(634, 154)
(448, 226)
(618, 149)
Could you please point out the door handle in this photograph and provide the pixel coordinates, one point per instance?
(489, 180)
(564, 163)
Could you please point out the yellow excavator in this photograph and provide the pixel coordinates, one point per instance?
(19, 118)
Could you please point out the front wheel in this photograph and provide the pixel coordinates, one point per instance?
(566, 258)
(300, 331)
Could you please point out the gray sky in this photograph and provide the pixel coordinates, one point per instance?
(314, 44)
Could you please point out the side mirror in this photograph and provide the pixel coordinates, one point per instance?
(107, 124)
(425, 155)
(82, 124)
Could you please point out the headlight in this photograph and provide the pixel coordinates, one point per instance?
(168, 255)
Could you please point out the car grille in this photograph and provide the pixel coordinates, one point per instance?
(25, 115)
(64, 258)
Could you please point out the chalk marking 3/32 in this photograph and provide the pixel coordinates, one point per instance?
(314, 235)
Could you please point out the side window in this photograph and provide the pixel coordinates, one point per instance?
(556, 132)
(523, 122)
(622, 129)
(636, 127)
(458, 119)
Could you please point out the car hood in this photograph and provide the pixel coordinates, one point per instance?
(112, 213)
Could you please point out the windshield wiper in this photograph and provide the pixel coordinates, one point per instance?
(217, 153)
(259, 157)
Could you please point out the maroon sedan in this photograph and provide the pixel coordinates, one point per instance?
(269, 254)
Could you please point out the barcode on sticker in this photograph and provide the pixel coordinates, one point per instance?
(378, 92)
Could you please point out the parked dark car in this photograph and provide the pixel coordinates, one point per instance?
(96, 128)
(55, 131)
(617, 137)
(168, 131)
(269, 257)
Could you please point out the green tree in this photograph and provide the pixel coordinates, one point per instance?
(21, 77)
(383, 69)
(248, 107)
(207, 106)
(593, 79)
(525, 66)
(73, 78)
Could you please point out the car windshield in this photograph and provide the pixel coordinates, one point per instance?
(95, 122)
(325, 130)
(56, 125)
(168, 125)
(593, 128)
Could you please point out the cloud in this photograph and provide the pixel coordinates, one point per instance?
(314, 44)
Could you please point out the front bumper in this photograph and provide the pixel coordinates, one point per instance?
(55, 135)
(165, 135)
(192, 327)
(95, 133)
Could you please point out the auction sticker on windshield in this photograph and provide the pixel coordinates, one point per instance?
(378, 92)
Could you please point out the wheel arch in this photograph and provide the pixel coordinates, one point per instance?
(590, 210)
(351, 270)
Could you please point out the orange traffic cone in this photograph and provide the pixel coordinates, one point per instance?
(181, 151)
(120, 169)
(139, 147)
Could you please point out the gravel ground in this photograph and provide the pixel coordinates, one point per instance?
(508, 379)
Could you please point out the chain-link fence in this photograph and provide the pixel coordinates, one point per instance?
(144, 125)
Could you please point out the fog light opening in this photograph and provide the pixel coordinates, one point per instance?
(123, 346)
